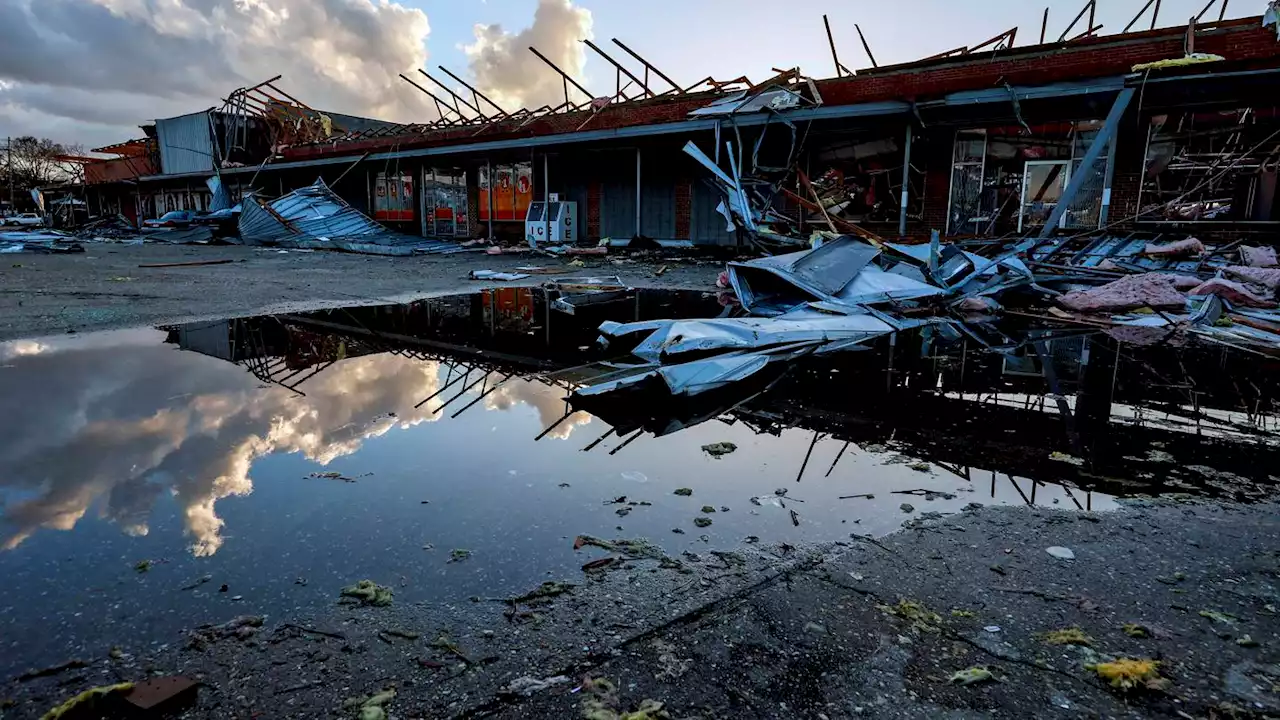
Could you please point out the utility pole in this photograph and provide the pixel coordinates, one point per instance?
(8, 170)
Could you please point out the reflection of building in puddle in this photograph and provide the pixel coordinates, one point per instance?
(119, 427)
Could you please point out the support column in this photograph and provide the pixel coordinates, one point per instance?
(1104, 136)
(488, 169)
(906, 182)
(637, 192)
(1108, 179)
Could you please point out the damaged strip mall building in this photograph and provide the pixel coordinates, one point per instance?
(1159, 131)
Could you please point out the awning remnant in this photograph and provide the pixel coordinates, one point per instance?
(315, 217)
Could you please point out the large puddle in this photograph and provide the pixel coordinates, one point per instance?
(284, 457)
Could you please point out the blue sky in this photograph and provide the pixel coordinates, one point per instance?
(690, 39)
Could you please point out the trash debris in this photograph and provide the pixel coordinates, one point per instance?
(52, 670)
(243, 627)
(370, 707)
(330, 475)
(907, 508)
(499, 276)
(1127, 674)
(527, 686)
(599, 564)
(970, 676)
(991, 629)
(600, 702)
(162, 694)
(1065, 458)
(719, 449)
(1068, 636)
(367, 592)
(545, 591)
(85, 701)
(1061, 553)
(1247, 641)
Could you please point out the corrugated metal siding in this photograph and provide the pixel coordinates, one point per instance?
(706, 226)
(657, 205)
(617, 173)
(186, 144)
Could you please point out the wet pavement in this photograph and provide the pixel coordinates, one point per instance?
(284, 457)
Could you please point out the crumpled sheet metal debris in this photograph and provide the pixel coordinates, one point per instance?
(846, 292)
(315, 217)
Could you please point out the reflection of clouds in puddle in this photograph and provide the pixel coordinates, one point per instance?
(20, 348)
(548, 400)
(122, 427)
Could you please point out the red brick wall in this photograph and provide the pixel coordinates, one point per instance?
(684, 208)
(1104, 56)
(1094, 57)
(593, 209)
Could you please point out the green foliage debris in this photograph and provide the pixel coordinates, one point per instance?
(1126, 673)
(708, 509)
(1135, 630)
(82, 703)
(369, 593)
(459, 554)
(1068, 636)
(1219, 617)
(370, 707)
(919, 616)
(142, 566)
(702, 521)
(971, 676)
(600, 702)
(686, 492)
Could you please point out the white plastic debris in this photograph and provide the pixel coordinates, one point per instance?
(528, 685)
(1061, 553)
(992, 628)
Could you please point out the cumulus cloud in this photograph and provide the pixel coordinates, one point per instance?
(506, 71)
(117, 429)
(548, 400)
(87, 70)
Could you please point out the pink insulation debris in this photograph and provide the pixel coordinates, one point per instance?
(1258, 256)
(1153, 290)
(978, 305)
(1182, 282)
(1268, 278)
(1234, 293)
(1182, 248)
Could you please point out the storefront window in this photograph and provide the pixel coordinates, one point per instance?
(393, 197)
(508, 189)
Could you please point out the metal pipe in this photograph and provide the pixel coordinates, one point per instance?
(832, 42)
(865, 46)
(474, 91)
(1044, 25)
(906, 182)
(620, 68)
(650, 66)
(1138, 17)
(563, 74)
